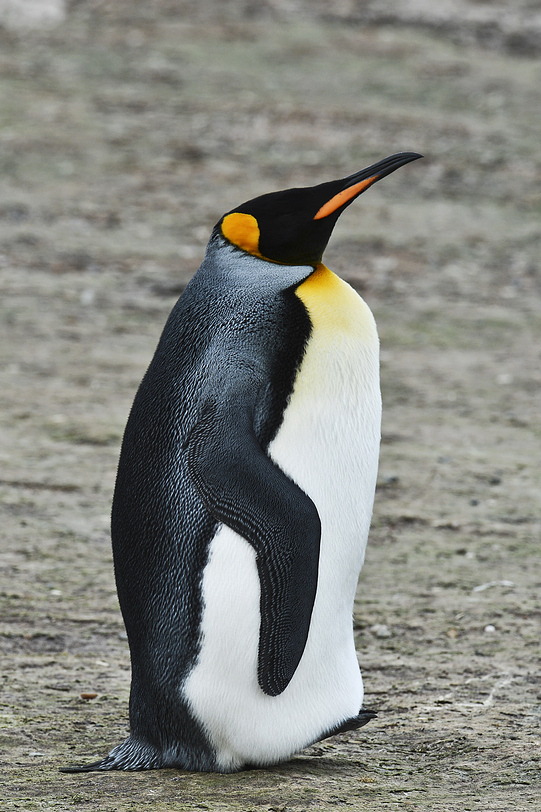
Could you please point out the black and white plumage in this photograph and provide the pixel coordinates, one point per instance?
(244, 495)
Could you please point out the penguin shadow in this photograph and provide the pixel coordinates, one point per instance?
(317, 761)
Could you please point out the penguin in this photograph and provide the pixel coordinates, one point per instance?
(244, 496)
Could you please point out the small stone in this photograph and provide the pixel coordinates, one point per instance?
(392, 479)
(489, 584)
(88, 695)
(452, 633)
(87, 297)
(489, 628)
(380, 630)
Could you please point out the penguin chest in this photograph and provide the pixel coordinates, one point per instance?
(328, 442)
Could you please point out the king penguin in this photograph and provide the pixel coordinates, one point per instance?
(244, 496)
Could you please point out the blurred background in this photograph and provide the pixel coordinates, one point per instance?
(126, 130)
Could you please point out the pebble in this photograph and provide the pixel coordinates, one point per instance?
(88, 695)
(489, 628)
(87, 297)
(380, 630)
(482, 587)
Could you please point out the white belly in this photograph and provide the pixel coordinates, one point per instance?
(328, 444)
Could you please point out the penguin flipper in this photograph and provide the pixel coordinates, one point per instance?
(243, 488)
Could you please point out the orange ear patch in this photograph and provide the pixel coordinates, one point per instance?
(243, 231)
(342, 197)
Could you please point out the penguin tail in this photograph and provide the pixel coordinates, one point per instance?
(364, 716)
(105, 764)
(132, 754)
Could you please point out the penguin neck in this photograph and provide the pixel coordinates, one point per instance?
(333, 305)
(235, 268)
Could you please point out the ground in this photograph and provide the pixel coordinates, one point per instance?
(126, 130)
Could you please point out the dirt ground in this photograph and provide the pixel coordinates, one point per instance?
(126, 130)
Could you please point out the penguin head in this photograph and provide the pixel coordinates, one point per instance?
(293, 227)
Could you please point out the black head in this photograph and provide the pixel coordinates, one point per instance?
(293, 227)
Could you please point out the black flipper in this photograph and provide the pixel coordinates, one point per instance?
(242, 488)
(364, 716)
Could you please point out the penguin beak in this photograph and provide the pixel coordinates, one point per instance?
(355, 184)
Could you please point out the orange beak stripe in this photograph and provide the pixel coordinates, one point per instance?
(342, 197)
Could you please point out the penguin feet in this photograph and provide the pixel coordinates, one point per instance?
(363, 717)
(137, 754)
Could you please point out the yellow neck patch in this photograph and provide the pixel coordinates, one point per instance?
(243, 231)
(334, 306)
